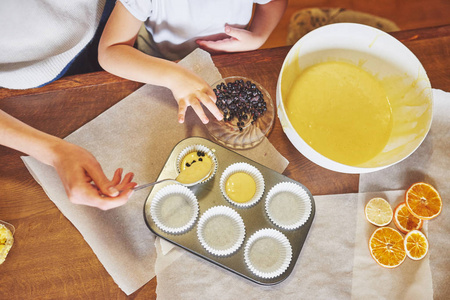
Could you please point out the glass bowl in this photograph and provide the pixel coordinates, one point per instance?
(254, 123)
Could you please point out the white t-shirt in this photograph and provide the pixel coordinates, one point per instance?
(174, 25)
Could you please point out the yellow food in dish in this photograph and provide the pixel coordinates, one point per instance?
(341, 111)
(6, 242)
(194, 166)
(240, 187)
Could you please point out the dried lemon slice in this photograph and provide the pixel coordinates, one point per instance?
(378, 212)
(416, 244)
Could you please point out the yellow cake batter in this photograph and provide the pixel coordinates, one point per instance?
(194, 166)
(341, 111)
(240, 187)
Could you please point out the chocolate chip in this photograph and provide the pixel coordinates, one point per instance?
(240, 100)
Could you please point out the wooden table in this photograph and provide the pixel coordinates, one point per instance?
(49, 258)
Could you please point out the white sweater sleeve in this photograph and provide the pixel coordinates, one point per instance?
(38, 38)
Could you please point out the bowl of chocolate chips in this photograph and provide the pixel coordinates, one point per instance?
(248, 113)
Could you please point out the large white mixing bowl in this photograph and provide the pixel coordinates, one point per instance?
(384, 57)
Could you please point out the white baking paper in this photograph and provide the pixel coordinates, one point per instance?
(138, 134)
(323, 270)
(429, 163)
(410, 280)
(335, 262)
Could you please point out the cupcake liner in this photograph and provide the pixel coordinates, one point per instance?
(288, 205)
(174, 209)
(7, 231)
(9, 226)
(250, 170)
(221, 230)
(194, 148)
(268, 253)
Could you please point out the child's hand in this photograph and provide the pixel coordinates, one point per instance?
(265, 19)
(190, 90)
(84, 180)
(238, 40)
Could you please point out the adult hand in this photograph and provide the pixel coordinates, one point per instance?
(81, 174)
(84, 180)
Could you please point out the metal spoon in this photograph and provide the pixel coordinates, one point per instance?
(143, 186)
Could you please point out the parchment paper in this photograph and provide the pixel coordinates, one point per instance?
(138, 134)
(429, 163)
(410, 280)
(323, 269)
(335, 262)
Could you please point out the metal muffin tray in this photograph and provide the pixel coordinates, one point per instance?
(209, 195)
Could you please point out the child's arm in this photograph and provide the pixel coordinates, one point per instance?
(76, 167)
(117, 56)
(265, 19)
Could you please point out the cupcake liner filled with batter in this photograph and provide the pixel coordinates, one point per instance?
(195, 162)
(6, 239)
(242, 184)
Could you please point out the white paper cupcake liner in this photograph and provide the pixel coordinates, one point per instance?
(288, 205)
(174, 209)
(250, 170)
(9, 232)
(203, 149)
(268, 253)
(10, 226)
(221, 230)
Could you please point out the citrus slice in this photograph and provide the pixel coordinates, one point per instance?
(416, 244)
(387, 247)
(378, 212)
(404, 220)
(423, 201)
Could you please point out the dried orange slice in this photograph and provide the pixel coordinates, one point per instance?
(387, 247)
(404, 220)
(416, 244)
(378, 212)
(423, 201)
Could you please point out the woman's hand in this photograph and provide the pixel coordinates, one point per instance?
(84, 180)
(81, 174)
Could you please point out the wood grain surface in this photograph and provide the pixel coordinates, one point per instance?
(50, 259)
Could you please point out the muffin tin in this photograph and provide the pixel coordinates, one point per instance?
(258, 229)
